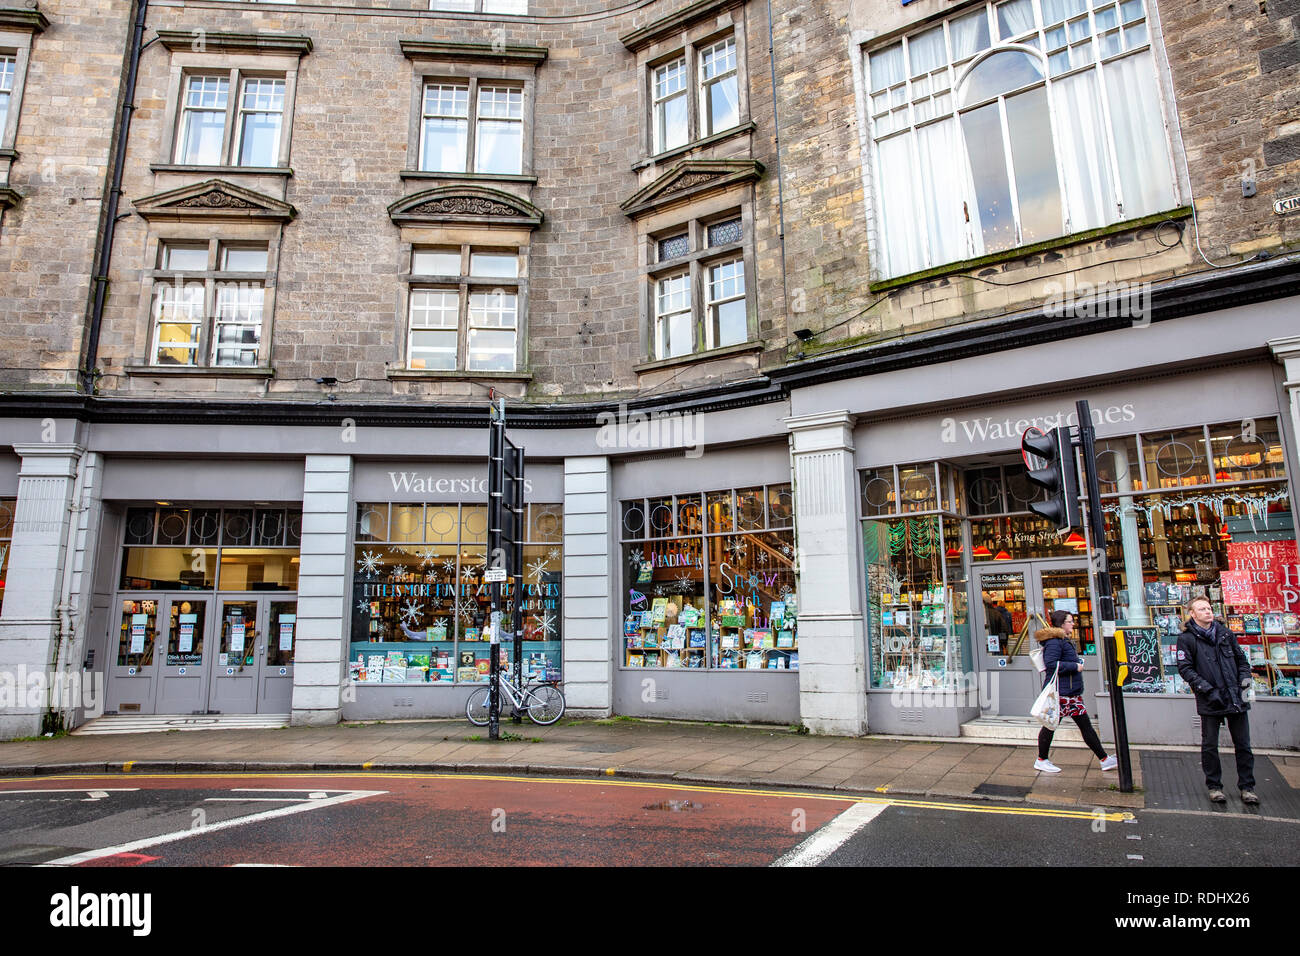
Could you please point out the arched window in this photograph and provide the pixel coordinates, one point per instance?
(1013, 123)
(1008, 133)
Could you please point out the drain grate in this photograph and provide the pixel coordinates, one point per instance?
(1175, 781)
(1001, 790)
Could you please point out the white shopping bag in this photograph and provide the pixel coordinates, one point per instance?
(1047, 708)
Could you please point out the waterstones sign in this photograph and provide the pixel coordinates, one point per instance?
(412, 482)
(978, 430)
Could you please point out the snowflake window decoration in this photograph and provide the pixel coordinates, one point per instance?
(546, 625)
(399, 571)
(553, 553)
(363, 606)
(683, 582)
(449, 566)
(635, 557)
(368, 563)
(412, 613)
(538, 568)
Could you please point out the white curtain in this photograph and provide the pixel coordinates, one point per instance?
(887, 67)
(1015, 18)
(1141, 148)
(970, 34)
(1081, 137)
(944, 184)
(897, 185)
(926, 52)
(1054, 11)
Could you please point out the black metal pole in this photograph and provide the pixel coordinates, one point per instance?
(516, 499)
(1105, 609)
(496, 482)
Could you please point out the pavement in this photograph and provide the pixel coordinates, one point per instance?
(718, 754)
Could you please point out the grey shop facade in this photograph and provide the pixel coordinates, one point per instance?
(856, 554)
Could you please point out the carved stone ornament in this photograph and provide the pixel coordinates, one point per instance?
(463, 206)
(215, 200)
(690, 181)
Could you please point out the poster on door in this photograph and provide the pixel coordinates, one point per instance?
(186, 638)
(139, 625)
(286, 632)
(236, 637)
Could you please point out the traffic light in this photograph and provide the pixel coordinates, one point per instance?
(1058, 476)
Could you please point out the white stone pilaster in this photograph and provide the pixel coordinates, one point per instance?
(1287, 351)
(320, 651)
(832, 636)
(29, 622)
(587, 642)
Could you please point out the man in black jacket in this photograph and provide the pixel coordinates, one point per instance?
(1215, 667)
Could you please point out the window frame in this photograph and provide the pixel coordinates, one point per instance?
(433, 64)
(466, 286)
(474, 119)
(477, 6)
(691, 46)
(213, 278)
(1034, 41)
(16, 36)
(235, 67)
(695, 265)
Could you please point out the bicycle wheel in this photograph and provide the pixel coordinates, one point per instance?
(545, 704)
(476, 709)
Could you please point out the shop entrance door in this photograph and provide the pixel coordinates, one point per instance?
(183, 674)
(158, 665)
(132, 671)
(1010, 595)
(255, 640)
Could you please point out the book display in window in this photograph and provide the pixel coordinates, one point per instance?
(916, 653)
(670, 634)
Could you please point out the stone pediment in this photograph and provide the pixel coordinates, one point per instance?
(464, 204)
(214, 199)
(690, 179)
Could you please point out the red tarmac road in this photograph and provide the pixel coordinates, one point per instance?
(434, 820)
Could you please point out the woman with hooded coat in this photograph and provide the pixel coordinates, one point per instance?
(1062, 657)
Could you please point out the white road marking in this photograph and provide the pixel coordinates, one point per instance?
(89, 855)
(832, 836)
(253, 800)
(1134, 856)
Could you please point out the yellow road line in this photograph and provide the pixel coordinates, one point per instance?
(923, 804)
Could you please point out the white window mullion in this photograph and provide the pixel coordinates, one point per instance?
(1011, 171)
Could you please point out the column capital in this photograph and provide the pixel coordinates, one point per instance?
(823, 431)
(48, 459)
(1287, 351)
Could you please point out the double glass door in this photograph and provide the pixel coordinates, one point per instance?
(186, 654)
(1015, 601)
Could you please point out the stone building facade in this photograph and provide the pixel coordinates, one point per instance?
(735, 266)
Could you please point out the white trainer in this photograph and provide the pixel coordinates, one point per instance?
(1110, 763)
(1046, 766)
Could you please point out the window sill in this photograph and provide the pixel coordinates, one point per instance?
(468, 177)
(11, 154)
(195, 371)
(1020, 252)
(456, 375)
(223, 170)
(741, 130)
(9, 197)
(726, 352)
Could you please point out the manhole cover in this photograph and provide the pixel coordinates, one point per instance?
(674, 806)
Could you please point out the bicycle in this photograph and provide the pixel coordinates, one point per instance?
(543, 702)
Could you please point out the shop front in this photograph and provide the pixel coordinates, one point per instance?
(709, 597)
(420, 606)
(1197, 502)
(206, 610)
